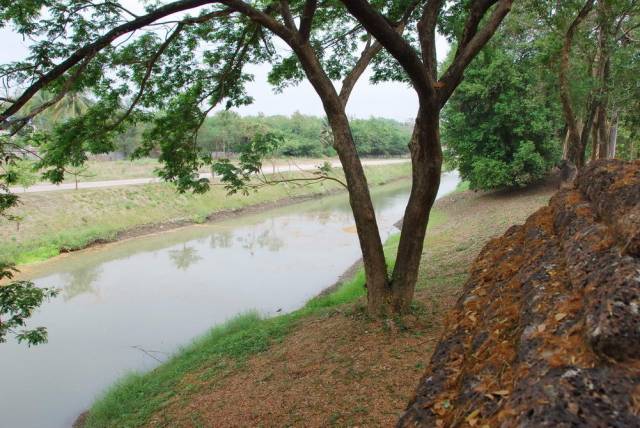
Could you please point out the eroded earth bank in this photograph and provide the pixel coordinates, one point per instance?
(547, 329)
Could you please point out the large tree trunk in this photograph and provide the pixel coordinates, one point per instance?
(426, 158)
(575, 148)
(375, 267)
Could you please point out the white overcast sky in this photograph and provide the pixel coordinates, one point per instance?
(392, 100)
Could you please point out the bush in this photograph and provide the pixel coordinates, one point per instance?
(500, 126)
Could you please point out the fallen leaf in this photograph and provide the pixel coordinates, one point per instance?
(560, 316)
(573, 408)
(472, 418)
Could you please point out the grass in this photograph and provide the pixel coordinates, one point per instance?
(95, 170)
(67, 220)
(462, 186)
(116, 170)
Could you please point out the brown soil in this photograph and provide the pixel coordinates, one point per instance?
(342, 368)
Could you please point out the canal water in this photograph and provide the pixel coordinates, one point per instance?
(129, 305)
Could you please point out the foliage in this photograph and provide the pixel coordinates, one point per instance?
(18, 300)
(500, 127)
(8, 177)
(601, 90)
(24, 173)
(381, 137)
(163, 79)
(302, 136)
(237, 177)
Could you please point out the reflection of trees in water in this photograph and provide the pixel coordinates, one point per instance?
(80, 281)
(323, 217)
(267, 239)
(222, 239)
(184, 258)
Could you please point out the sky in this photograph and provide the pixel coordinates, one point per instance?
(391, 100)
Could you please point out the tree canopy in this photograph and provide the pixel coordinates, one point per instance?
(559, 80)
(502, 126)
(171, 65)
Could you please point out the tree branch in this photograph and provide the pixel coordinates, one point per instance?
(264, 19)
(285, 11)
(473, 43)
(306, 20)
(427, 35)
(151, 62)
(398, 47)
(476, 13)
(42, 107)
(368, 53)
(94, 47)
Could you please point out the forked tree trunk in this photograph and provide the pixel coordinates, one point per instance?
(426, 158)
(575, 147)
(375, 266)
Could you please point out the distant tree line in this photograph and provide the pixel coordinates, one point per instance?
(302, 135)
(226, 132)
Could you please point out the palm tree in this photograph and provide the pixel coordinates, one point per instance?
(71, 105)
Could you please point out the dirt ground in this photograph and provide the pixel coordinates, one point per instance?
(344, 369)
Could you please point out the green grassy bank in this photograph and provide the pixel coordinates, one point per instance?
(133, 399)
(53, 222)
(94, 170)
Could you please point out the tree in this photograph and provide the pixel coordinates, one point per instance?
(198, 64)
(613, 24)
(471, 24)
(500, 128)
(18, 299)
(74, 104)
(24, 173)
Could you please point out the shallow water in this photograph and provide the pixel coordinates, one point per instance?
(128, 305)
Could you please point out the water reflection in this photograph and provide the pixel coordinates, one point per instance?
(268, 238)
(222, 239)
(184, 257)
(80, 281)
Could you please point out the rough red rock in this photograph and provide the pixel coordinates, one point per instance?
(547, 330)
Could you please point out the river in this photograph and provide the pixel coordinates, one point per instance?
(129, 305)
